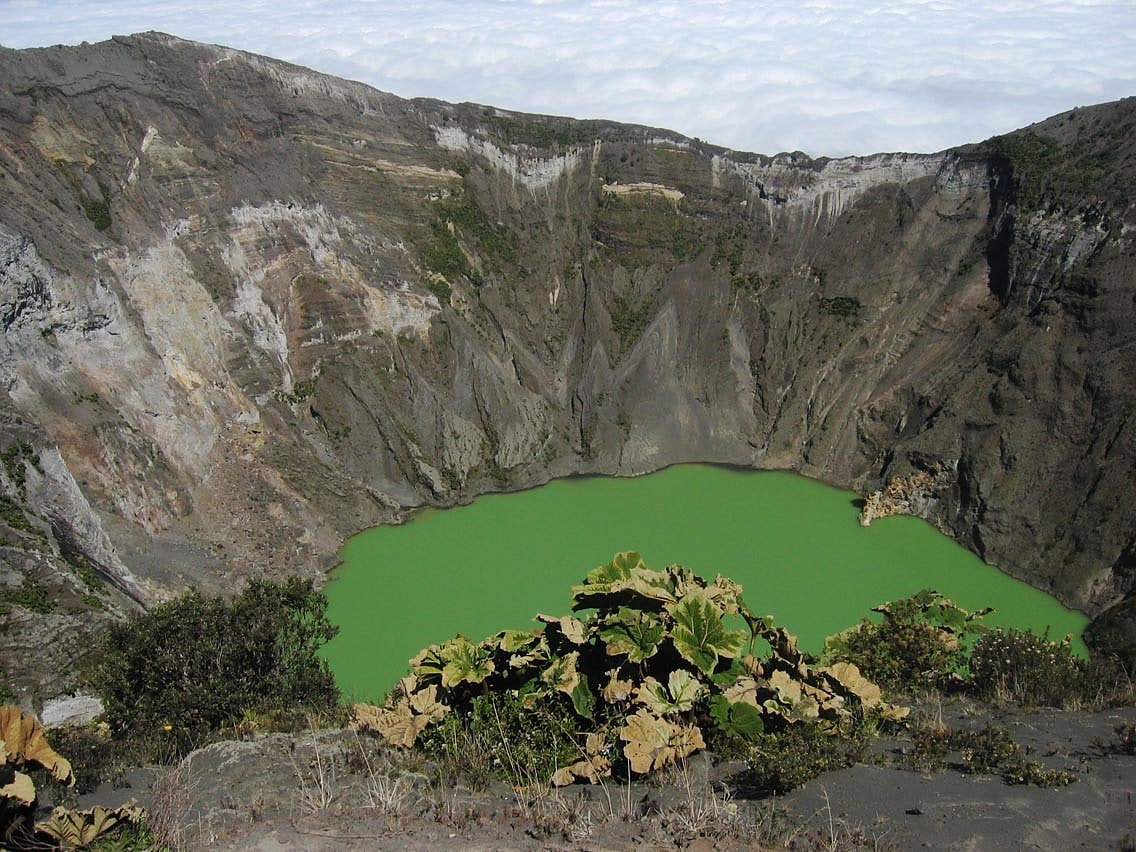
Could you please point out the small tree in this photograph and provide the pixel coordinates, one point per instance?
(196, 663)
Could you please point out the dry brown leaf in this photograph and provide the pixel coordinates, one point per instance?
(24, 740)
(22, 789)
(647, 739)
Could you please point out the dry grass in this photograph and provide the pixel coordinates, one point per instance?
(169, 811)
(319, 780)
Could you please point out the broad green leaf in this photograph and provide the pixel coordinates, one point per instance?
(634, 633)
(653, 695)
(720, 711)
(512, 641)
(699, 634)
(741, 719)
(562, 674)
(428, 663)
(677, 696)
(685, 689)
(464, 662)
(626, 580)
(620, 568)
(525, 648)
(583, 699)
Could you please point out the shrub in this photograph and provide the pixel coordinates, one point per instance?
(781, 762)
(847, 307)
(990, 750)
(657, 662)
(919, 642)
(1020, 666)
(194, 664)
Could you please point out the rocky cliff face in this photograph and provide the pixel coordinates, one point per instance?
(249, 310)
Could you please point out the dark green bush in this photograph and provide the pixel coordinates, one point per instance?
(785, 760)
(98, 211)
(990, 750)
(1020, 666)
(847, 307)
(192, 665)
(919, 642)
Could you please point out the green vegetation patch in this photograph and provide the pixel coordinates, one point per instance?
(98, 211)
(654, 663)
(460, 217)
(1031, 157)
(185, 668)
(990, 750)
(14, 459)
(644, 228)
(628, 319)
(12, 515)
(1019, 666)
(920, 641)
(301, 390)
(846, 307)
(30, 594)
(541, 134)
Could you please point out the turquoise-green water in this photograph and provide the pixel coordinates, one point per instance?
(795, 545)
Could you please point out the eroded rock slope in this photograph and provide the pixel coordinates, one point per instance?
(249, 309)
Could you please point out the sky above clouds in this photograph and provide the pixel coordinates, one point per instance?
(828, 77)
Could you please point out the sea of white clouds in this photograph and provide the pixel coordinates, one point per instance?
(829, 77)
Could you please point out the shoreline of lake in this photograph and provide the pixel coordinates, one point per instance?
(719, 514)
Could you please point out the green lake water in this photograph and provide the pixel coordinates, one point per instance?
(793, 543)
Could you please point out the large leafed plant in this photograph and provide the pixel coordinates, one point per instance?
(652, 664)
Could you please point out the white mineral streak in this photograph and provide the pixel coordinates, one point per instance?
(671, 194)
(391, 307)
(533, 172)
(824, 193)
(151, 133)
(51, 486)
(251, 309)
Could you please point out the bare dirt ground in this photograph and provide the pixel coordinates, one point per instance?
(331, 790)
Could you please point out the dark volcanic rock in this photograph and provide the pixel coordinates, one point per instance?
(251, 309)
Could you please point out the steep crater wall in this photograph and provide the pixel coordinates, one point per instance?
(249, 310)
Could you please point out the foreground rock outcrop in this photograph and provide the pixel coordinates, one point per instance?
(249, 310)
